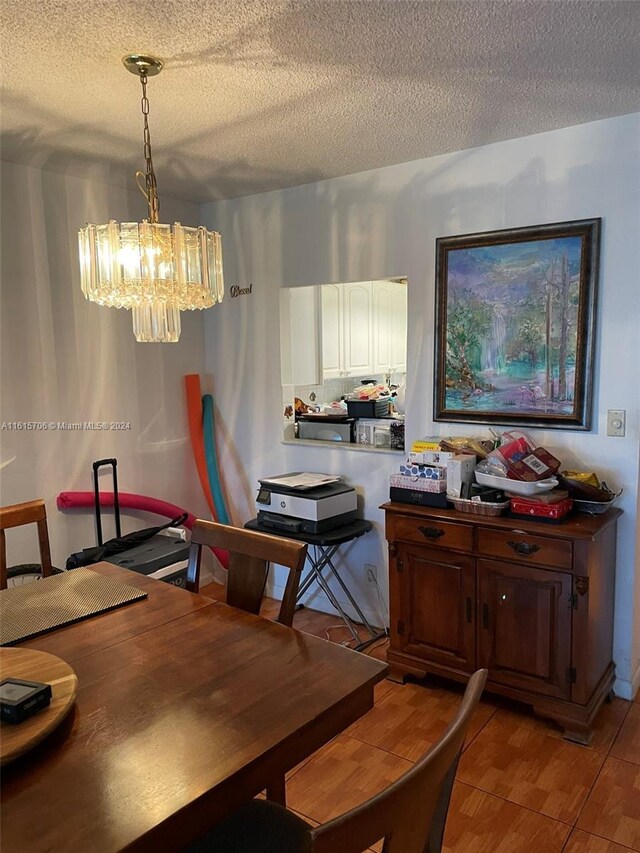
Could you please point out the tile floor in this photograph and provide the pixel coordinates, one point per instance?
(520, 787)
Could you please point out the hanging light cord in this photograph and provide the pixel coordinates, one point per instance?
(151, 185)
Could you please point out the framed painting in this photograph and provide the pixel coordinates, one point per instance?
(515, 325)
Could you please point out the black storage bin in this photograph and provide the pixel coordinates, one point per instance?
(417, 497)
(368, 408)
(164, 558)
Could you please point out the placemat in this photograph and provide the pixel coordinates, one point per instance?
(43, 605)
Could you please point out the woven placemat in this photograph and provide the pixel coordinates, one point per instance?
(43, 605)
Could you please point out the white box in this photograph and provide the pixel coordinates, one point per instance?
(421, 484)
(459, 470)
(430, 457)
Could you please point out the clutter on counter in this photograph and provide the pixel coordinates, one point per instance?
(387, 433)
(491, 476)
(589, 494)
(365, 416)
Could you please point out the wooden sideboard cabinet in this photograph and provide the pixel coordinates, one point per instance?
(531, 602)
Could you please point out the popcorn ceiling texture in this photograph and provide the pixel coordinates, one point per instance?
(260, 95)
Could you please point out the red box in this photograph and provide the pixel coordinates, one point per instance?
(542, 510)
(537, 465)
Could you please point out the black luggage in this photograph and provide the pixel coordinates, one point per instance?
(146, 551)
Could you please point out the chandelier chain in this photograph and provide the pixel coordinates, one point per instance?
(150, 177)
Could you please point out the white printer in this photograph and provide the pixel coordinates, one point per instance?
(305, 503)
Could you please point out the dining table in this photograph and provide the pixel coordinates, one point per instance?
(186, 709)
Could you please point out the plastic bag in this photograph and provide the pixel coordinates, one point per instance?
(463, 444)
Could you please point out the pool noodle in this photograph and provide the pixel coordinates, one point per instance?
(211, 459)
(194, 410)
(77, 500)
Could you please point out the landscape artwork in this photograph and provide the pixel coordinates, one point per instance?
(515, 313)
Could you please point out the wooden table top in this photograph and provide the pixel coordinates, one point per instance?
(186, 708)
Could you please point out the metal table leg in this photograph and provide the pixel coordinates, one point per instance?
(354, 603)
(318, 561)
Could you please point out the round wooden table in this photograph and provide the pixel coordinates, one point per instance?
(31, 665)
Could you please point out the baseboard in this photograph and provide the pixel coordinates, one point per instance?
(317, 600)
(625, 688)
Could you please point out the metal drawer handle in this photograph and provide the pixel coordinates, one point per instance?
(431, 532)
(523, 548)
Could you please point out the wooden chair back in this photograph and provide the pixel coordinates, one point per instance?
(250, 553)
(410, 814)
(17, 515)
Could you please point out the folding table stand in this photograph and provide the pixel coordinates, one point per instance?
(322, 549)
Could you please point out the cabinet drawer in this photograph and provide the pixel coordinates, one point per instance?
(518, 545)
(432, 531)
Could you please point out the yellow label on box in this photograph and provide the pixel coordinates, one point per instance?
(425, 444)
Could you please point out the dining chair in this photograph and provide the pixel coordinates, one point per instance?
(250, 553)
(409, 815)
(17, 515)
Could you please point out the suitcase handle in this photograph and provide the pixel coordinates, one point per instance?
(116, 501)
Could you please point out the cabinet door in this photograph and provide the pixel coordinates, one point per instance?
(357, 312)
(399, 328)
(332, 331)
(524, 627)
(382, 320)
(300, 336)
(438, 606)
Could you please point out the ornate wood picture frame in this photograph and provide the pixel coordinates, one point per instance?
(515, 325)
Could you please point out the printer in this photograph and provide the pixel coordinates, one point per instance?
(304, 503)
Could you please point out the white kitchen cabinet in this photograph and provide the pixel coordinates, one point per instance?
(347, 330)
(389, 327)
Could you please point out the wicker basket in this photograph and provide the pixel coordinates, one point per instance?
(485, 508)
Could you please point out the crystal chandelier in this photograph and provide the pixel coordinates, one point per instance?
(156, 270)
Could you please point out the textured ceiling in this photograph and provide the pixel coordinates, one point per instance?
(260, 94)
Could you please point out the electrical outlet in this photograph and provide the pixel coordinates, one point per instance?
(371, 573)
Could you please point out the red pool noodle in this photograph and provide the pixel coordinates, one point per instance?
(194, 411)
(77, 500)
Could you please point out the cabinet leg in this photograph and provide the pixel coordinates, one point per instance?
(575, 731)
(398, 672)
(581, 736)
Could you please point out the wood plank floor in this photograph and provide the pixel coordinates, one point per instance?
(520, 787)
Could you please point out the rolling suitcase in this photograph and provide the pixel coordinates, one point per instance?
(160, 552)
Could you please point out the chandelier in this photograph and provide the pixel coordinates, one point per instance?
(154, 269)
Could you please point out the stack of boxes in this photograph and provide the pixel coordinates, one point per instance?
(430, 475)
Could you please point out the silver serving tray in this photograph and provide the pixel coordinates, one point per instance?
(596, 507)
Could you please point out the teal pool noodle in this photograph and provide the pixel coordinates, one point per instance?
(211, 459)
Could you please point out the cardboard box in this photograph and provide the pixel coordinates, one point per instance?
(459, 470)
(422, 484)
(417, 497)
(430, 457)
(537, 465)
(542, 497)
(427, 443)
(430, 472)
(541, 510)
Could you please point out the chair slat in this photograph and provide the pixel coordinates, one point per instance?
(250, 553)
(18, 515)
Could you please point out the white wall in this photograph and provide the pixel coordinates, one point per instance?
(385, 222)
(65, 359)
